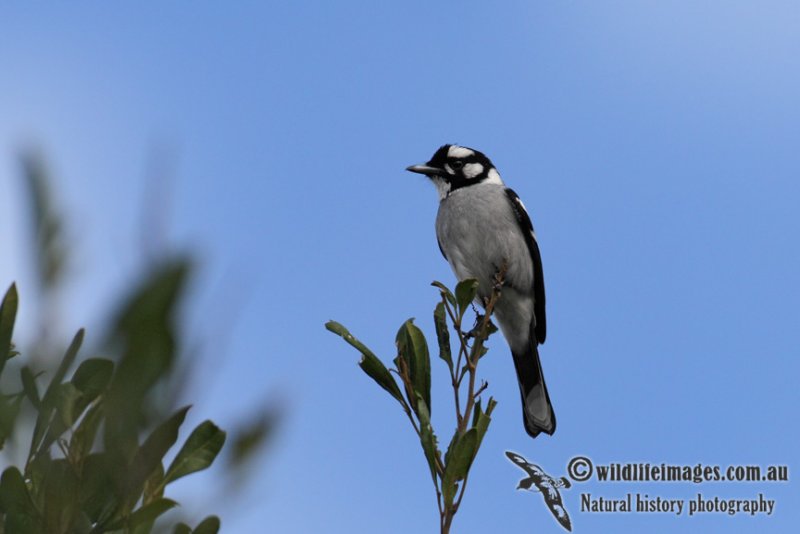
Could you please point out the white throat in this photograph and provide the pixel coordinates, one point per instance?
(442, 187)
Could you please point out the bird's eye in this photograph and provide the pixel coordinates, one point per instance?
(456, 165)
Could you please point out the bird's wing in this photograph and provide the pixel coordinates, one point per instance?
(532, 469)
(524, 221)
(441, 249)
(553, 500)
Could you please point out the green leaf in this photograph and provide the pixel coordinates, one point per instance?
(446, 292)
(153, 301)
(182, 528)
(422, 410)
(458, 464)
(82, 524)
(92, 377)
(49, 400)
(15, 501)
(450, 447)
(84, 435)
(198, 452)
(412, 347)
(97, 491)
(67, 400)
(51, 254)
(8, 314)
(145, 334)
(60, 496)
(427, 437)
(476, 411)
(209, 525)
(449, 489)
(66, 363)
(148, 457)
(481, 420)
(490, 406)
(443, 334)
(465, 294)
(249, 439)
(369, 363)
(14, 495)
(9, 410)
(463, 453)
(146, 515)
(35, 473)
(90, 380)
(29, 386)
(154, 485)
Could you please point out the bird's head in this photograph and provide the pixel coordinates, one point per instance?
(453, 167)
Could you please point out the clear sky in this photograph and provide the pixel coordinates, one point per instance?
(656, 145)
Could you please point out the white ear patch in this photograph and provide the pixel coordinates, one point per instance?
(471, 170)
(493, 177)
(456, 151)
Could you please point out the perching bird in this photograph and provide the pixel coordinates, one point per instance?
(481, 226)
(547, 485)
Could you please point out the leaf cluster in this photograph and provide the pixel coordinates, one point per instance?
(95, 462)
(409, 383)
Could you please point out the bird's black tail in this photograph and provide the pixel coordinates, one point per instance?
(537, 412)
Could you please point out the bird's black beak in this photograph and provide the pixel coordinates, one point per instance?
(425, 169)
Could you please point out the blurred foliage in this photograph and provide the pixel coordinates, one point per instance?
(98, 430)
(86, 469)
(412, 367)
(46, 222)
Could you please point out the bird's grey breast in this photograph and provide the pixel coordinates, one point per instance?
(478, 231)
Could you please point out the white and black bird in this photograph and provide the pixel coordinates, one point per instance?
(546, 485)
(481, 226)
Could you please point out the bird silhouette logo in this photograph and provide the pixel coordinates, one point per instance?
(538, 480)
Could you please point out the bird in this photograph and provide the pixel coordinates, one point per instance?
(547, 485)
(482, 225)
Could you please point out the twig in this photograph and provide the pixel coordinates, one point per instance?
(483, 386)
(472, 359)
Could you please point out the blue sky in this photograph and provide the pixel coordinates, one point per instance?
(655, 145)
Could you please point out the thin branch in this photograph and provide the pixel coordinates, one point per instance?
(450, 367)
(482, 387)
(461, 490)
(472, 358)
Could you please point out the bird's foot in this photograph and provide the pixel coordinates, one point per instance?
(476, 328)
